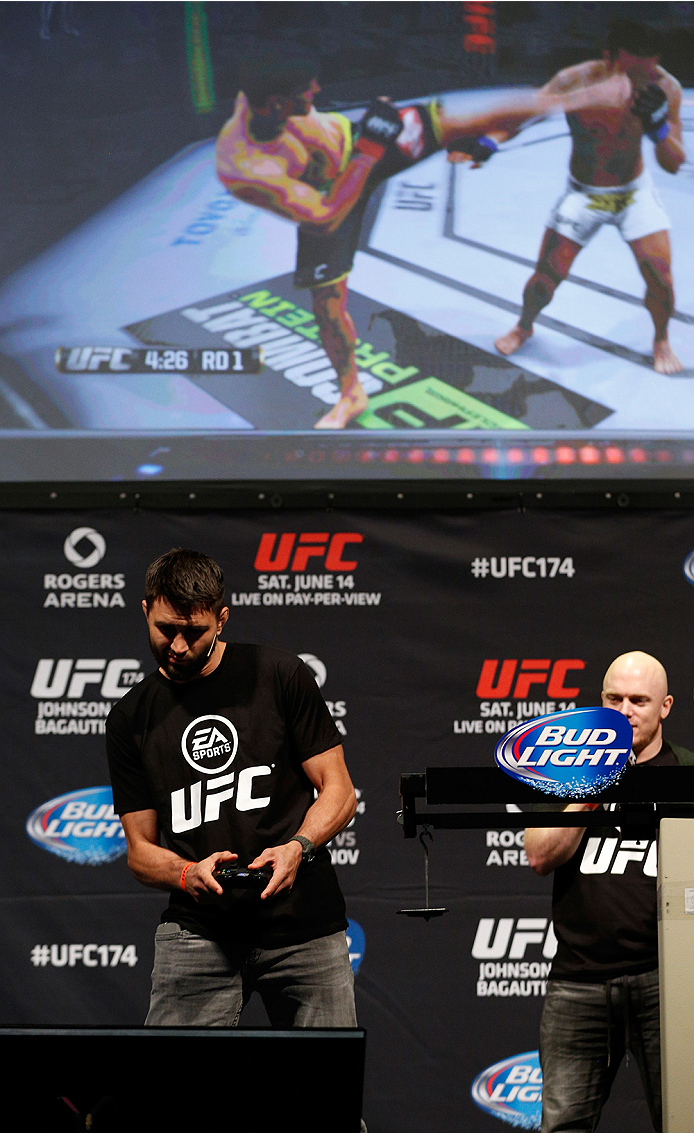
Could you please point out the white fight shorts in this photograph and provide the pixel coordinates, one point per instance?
(635, 209)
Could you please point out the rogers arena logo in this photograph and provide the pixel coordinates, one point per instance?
(80, 826)
(209, 744)
(512, 1090)
(84, 548)
(336, 708)
(580, 751)
(316, 666)
(93, 547)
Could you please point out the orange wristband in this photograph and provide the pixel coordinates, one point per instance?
(183, 874)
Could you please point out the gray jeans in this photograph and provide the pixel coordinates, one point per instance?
(584, 1033)
(199, 982)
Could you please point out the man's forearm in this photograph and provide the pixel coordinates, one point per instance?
(548, 847)
(156, 866)
(670, 154)
(328, 815)
(505, 119)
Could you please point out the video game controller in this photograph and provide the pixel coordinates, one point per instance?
(231, 875)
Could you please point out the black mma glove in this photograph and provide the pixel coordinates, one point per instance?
(378, 129)
(651, 106)
(478, 150)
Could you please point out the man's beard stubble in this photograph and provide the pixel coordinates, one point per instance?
(181, 672)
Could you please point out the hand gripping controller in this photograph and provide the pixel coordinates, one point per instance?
(231, 875)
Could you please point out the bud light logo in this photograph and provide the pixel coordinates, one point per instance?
(355, 943)
(80, 827)
(572, 753)
(512, 1090)
(688, 567)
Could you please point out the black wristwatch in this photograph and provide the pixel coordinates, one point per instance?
(308, 850)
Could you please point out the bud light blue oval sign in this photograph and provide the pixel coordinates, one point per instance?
(572, 753)
(80, 826)
(512, 1090)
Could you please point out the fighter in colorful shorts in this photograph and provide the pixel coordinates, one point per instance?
(278, 152)
(608, 183)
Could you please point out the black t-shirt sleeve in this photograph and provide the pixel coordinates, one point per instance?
(309, 723)
(131, 790)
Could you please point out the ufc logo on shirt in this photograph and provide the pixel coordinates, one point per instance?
(201, 802)
(612, 855)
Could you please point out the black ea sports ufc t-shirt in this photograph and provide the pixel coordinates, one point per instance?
(604, 900)
(219, 759)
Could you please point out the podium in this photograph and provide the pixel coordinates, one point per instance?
(658, 798)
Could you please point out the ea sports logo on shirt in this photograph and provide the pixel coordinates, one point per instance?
(209, 744)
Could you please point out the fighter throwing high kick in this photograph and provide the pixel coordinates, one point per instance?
(608, 183)
(278, 152)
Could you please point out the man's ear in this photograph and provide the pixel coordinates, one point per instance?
(222, 619)
(145, 611)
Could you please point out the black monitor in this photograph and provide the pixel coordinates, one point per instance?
(144, 1078)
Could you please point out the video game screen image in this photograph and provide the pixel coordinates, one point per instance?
(337, 241)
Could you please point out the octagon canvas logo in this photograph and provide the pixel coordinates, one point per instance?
(512, 1090)
(209, 744)
(80, 826)
(572, 753)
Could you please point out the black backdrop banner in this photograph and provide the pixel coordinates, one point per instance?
(430, 635)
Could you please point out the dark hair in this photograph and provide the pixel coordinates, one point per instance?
(281, 69)
(638, 39)
(187, 579)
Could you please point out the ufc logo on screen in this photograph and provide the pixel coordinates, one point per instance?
(497, 679)
(276, 552)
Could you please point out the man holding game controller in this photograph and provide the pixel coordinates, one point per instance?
(226, 756)
(603, 995)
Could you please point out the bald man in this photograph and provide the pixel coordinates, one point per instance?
(602, 995)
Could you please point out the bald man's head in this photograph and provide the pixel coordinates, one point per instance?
(636, 685)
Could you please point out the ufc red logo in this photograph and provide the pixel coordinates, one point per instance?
(496, 680)
(275, 552)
